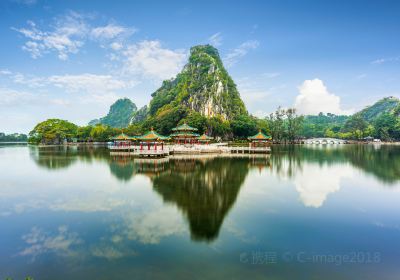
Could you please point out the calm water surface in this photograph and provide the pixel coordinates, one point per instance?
(301, 213)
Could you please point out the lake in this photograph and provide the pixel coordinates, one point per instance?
(304, 212)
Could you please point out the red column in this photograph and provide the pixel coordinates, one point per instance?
(148, 145)
(162, 145)
(155, 146)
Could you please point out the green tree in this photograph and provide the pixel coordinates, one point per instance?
(83, 133)
(217, 127)
(53, 131)
(355, 124)
(277, 125)
(103, 133)
(294, 124)
(244, 126)
(196, 120)
(386, 127)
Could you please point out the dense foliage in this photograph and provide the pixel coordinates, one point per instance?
(285, 125)
(53, 131)
(381, 120)
(14, 137)
(317, 126)
(383, 106)
(120, 114)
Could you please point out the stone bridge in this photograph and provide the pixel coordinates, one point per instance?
(324, 141)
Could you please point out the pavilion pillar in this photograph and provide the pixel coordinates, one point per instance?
(155, 146)
(148, 146)
(162, 145)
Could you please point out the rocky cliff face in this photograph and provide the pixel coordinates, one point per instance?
(203, 86)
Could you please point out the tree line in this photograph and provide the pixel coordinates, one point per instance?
(284, 125)
(14, 137)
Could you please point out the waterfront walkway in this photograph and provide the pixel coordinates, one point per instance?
(187, 149)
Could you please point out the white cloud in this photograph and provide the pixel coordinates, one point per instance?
(237, 53)
(25, 2)
(271, 75)
(95, 88)
(387, 59)
(11, 97)
(361, 76)
(40, 242)
(5, 72)
(315, 98)
(64, 38)
(110, 31)
(68, 34)
(116, 46)
(151, 227)
(216, 39)
(30, 81)
(90, 83)
(151, 60)
(85, 83)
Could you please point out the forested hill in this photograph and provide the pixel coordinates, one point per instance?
(380, 120)
(120, 114)
(385, 105)
(203, 86)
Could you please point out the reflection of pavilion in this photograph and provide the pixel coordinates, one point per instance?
(150, 167)
(260, 162)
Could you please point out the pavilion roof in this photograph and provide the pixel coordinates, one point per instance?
(204, 137)
(260, 136)
(152, 135)
(184, 127)
(184, 134)
(122, 136)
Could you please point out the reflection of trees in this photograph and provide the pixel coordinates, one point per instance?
(205, 191)
(382, 162)
(59, 157)
(53, 157)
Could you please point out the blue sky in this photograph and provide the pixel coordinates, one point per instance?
(72, 59)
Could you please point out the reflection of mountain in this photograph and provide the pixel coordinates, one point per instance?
(382, 161)
(205, 191)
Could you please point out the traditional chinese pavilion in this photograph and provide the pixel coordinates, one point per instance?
(152, 140)
(184, 134)
(122, 140)
(260, 140)
(205, 139)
